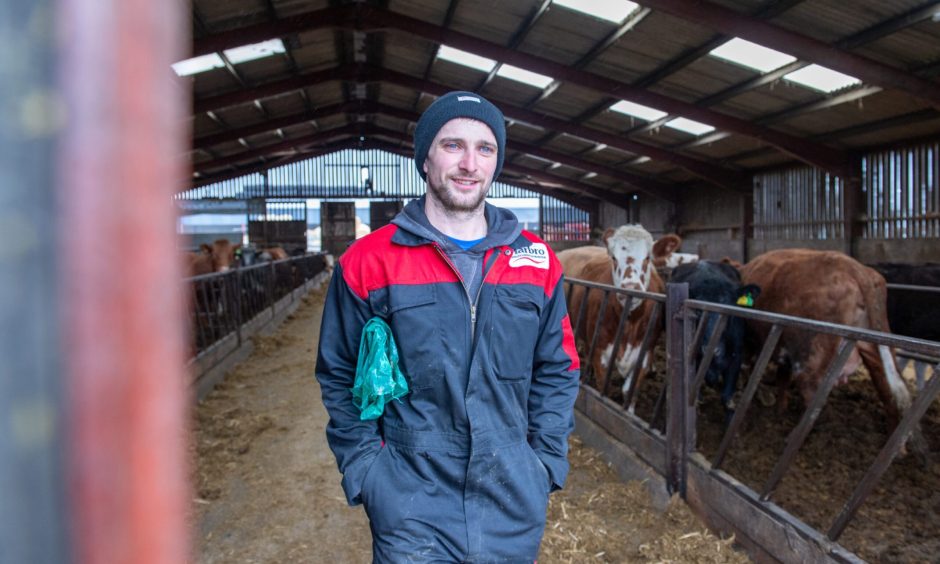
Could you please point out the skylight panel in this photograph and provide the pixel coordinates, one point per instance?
(465, 59)
(610, 10)
(751, 55)
(197, 65)
(535, 79)
(254, 51)
(637, 110)
(822, 79)
(689, 126)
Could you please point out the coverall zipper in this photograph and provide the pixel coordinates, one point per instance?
(472, 303)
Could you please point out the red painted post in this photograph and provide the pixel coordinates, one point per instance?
(127, 391)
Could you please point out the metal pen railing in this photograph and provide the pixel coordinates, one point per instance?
(687, 363)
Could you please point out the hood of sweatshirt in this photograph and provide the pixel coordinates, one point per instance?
(415, 229)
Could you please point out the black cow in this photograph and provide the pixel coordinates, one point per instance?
(910, 312)
(719, 283)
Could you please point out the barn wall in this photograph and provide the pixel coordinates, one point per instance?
(710, 222)
(870, 251)
(759, 246)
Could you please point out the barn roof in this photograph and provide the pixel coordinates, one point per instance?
(358, 74)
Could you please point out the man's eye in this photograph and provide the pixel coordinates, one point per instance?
(486, 149)
(451, 146)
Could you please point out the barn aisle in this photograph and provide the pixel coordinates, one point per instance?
(267, 489)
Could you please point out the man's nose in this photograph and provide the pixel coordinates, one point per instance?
(468, 161)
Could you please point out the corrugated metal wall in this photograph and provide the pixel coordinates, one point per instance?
(902, 193)
(351, 173)
(801, 203)
(373, 173)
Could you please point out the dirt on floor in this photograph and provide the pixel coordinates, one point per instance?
(898, 522)
(267, 488)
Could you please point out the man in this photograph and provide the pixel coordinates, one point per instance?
(460, 468)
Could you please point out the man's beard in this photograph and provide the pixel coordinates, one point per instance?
(454, 202)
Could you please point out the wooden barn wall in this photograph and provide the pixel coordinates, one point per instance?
(709, 221)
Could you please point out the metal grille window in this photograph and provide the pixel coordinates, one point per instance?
(801, 203)
(902, 193)
(563, 222)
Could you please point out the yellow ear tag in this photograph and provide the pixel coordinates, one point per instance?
(746, 301)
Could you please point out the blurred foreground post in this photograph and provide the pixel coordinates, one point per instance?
(119, 165)
(32, 501)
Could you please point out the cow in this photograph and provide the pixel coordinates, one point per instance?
(665, 252)
(274, 253)
(627, 263)
(220, 256)
(910, 312)
(833, 287)
(719, 283)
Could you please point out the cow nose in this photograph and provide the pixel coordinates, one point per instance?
(630, 285)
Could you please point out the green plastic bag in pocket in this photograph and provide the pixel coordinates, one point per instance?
(378, 378)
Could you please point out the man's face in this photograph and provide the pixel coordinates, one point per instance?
(460, 164)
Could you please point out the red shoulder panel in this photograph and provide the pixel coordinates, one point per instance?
(374, 262)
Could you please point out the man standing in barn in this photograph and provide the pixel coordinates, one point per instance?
(460, 468)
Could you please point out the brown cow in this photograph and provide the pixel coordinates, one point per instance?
(826, 286)
(627, 263)
(274, 253)
(218, 257)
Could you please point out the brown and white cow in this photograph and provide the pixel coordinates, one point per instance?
(666, 255)
(626, 262)
(826, 286)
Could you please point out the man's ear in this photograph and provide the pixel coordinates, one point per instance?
(424, 165)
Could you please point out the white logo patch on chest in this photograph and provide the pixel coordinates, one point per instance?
(535, 255)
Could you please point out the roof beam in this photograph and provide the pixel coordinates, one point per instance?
(717, 175)
(362, 17)
(804, 47)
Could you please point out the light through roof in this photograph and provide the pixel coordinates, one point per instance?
(611, 10)
(637, 110)
(689, 126)
(198, 64)
(235, 56)
(526, 77)
(822, 79)
(254, 51)
(465, 59)
(751, 55)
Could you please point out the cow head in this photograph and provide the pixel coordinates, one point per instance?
(629, 247)
(222, 252)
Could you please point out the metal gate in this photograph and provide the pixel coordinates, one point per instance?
(337, 226)
(381, 213)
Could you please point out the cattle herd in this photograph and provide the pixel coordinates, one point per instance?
(817, 285)
(230, 283)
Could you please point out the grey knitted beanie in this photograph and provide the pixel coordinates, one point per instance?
(454, 105)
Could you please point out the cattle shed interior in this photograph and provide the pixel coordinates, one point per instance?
(741, 126)
(651, 116)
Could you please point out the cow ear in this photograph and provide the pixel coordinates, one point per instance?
(205, 248)
(732, 262)
(666, 245)
(607, 234)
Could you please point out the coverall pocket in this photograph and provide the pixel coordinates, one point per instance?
(410, 312)
(375, 472)
(515, 331)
